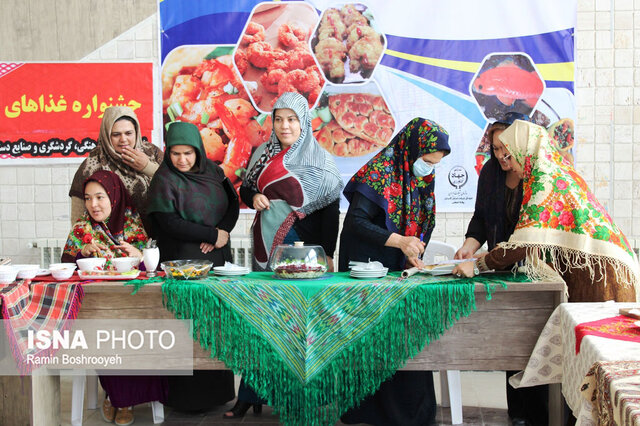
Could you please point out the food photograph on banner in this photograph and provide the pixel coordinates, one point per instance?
(58, 119)
(366, 69)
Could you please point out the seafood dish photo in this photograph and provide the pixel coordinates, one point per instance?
(353, 124)
(273, 54)
(346, 44)
(201, 86)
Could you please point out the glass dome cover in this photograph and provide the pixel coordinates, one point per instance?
(298, 261)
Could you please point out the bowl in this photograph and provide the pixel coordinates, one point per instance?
(62, 273)
(89, 264)
(27, 272)
(62, 266)
(298, 261)
(7, 274)
(125, 264)
(188, 269)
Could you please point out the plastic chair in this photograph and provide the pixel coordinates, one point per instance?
(91, 381)
(450, 387)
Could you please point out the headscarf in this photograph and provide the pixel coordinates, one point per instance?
(122, 224)
(298, 180)
(199, 195)
(560, 219)
(105, 157)
(388, 181)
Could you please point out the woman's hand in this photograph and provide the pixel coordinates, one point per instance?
(135, 159)
(415, 262)
(206, 247)
(129, 249)
(92, 248)
(468, 249)
(223, 238)
(260, 202)
(412, 247)
(465, 269)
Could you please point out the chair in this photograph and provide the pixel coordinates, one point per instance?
(91, 380)
(450, 387)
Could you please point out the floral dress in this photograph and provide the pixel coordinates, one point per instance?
(84, 231)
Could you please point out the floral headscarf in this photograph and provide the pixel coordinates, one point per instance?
(560, 217)
(388, 180)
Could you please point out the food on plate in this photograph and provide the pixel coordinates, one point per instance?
(341, 143)
(208, 92)
(364, 115)
(298, 270)
(346, 35)
(186, 269)
(277, 58)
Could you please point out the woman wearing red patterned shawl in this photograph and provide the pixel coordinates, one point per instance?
(110, 227)
(562, 228)
(390, 219)
(293, 184)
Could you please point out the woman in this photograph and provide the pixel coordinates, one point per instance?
(294, 185)
(121, 150)
(498, 201)
(562, 229)
(110, 227)
(192, 208)
(390, 219)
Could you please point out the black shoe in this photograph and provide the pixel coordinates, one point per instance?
(238, 411)
(519, 421)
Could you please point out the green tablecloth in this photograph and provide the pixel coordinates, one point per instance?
(315, 348)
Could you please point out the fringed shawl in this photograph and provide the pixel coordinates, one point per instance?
(560, 220)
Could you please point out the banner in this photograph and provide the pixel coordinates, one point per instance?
(367, 68)
(51, 112)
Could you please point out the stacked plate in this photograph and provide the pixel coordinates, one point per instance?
(230, 269)
(368, 271)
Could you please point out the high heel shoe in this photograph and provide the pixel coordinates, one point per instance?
(240, 408)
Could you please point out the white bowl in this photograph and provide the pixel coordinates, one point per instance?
(62, 266)
(27, 272)
(125, 264)
(8, 274)
(62, 273)
(89, 264)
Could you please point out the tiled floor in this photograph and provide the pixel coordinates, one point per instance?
(483, 398)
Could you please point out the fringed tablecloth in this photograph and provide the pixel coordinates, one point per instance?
(37, 306)
(315, 348)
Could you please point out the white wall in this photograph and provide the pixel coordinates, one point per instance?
(34, 202)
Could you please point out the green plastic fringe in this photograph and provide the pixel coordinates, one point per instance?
(356, 372)
(138, 284)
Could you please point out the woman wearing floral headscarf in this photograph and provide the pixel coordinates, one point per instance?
(562, 228)
(390, 219)
(120, 149)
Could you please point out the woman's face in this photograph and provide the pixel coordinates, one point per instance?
(97, 202)
(506, 160)
(433, 157)
(183, 157)
(123, 133)
(287, 126)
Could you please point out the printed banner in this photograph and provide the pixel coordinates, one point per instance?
(50, 112)
(367, 68)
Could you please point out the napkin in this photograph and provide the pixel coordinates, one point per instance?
(374, 266)
(233, 267)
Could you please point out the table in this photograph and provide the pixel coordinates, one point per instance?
(471, 344)
(554, 359)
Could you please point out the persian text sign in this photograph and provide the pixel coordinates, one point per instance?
(54, 110)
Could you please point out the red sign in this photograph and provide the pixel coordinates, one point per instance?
(54, 110)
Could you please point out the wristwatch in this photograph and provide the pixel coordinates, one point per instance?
(476, 271)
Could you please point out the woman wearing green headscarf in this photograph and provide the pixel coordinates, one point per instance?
(193, 207)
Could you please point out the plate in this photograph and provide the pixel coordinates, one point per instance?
(42, 272)
(368, 273)
(107, 275)
(230, 273)
(438, 269)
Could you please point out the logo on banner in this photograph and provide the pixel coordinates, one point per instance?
(458, 177)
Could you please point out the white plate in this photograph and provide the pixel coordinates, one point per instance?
(223, 269)
(379, 275)
(108, 275)
(359, 269)
(230, 273)
(42, 272)
(440, 270)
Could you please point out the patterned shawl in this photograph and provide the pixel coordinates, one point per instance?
(199, 195)
(560, 219)
(123, 224)
(104, 157)
(298, 181)
(388, 180)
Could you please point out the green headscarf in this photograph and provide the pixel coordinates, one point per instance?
(198, 195)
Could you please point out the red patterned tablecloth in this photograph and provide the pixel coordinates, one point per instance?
(619, 327)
